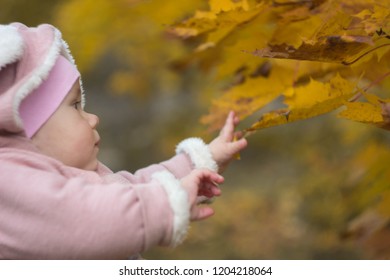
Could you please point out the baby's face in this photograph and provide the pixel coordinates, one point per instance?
(70, 135)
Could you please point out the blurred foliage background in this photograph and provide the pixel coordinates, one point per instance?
(308, 190)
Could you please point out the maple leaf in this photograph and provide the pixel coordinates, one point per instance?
(318, 31)
(200, 23)
(375, 19)
(292, 30)
(335, 36)
(215, 24)
(227, 5)
(340, 49)
(249, 96)
(375, 111)
(313, 99)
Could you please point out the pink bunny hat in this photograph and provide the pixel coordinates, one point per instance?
(36, 73)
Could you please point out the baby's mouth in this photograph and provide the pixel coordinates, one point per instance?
(97, 143)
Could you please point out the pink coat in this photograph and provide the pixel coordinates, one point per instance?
(52, 211)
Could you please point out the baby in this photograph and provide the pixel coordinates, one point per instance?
(57, 201)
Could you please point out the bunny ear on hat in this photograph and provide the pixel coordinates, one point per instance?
(11, 45)
(27, 56)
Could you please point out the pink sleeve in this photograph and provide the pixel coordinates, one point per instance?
(44, 215)
(191, 153)
(179, 166)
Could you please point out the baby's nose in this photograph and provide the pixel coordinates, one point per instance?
(93, 120)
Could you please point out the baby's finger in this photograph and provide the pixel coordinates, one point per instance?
(205, 192)
(238, 135)
(201, 213)
(216, 178)
(216, 191)
(209, 189)
(228, 129)
(208, 175)
(236, 120)
(237, 146)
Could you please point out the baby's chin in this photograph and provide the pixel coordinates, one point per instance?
(93, 166)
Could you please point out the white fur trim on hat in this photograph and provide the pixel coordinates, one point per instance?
(11, 45)
(39, 74)
(59, 46)
(178, 199)
(199, 153)
(65, 51)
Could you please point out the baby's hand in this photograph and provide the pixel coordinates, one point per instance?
(201, 182)
(223, 148)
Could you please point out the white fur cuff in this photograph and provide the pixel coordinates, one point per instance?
(199, 153)
(178, 199)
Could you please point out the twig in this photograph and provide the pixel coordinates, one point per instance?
(364, 54)
(373, 83)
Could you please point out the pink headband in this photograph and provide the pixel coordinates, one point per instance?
(40, 104)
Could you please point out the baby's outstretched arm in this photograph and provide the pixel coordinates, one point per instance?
(201, 182)
(224, 147)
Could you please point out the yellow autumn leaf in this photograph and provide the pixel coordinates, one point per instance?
(248, 97)
(318, 98)
(227, 22)
(270, 119)
(308, 101)
(233, 59)
(316, 40)
(344, 49)
(316, 93)
(224, 46)
(334, 23)
(363, 112)
(201, 22)
(288, 36)
(375, 111)
(319, 32)
(375, 19)
(372, 98)
(217, 6)
(258, 93)
(215, 25)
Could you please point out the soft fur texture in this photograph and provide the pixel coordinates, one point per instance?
(36, 50)
(199, 153)
(11, 45)
(65, 51)
(200, 156)
(178, 199)
(40, 73)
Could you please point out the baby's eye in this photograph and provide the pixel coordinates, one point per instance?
(77, 105)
